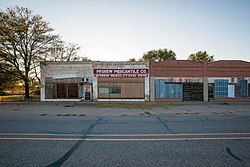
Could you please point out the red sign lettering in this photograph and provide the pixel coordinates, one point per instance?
(121, 73)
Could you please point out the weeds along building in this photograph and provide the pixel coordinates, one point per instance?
(169, 81)
(97, 81)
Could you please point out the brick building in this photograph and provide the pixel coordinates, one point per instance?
(185, 80)
(172, 81)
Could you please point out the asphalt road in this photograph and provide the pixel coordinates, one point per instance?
(68, 135)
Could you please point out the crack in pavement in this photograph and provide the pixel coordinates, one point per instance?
(202, 120)
(166, 126)
(66, 156)
(232, 155)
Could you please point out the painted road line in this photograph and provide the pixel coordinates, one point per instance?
(124, 135)
(169, 139)
(167, 135)
(126, 139)
(38, 134)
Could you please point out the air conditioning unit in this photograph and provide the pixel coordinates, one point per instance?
(86, 80)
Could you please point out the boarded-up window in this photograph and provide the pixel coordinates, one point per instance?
(61, 88)
(121, 88)
(167, 90)
(221, 88)
(241, 88)
(72, 90)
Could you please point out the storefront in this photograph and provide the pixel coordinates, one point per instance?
(176, 80)
(121, 81)
(95, 81)
(169, 81)
(66, 81)
(228, 80)
(184, 80)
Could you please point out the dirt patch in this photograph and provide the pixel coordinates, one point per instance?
(147, 113)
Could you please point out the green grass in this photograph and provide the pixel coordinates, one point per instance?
(19, 98)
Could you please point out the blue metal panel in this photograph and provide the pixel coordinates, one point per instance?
(174, 90)
(165, 90)
(160, 88)
(157, 88)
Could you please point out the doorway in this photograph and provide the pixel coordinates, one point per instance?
(192, 91)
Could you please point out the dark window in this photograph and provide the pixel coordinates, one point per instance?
(115, 90)
(249, 90)
(110, 90)
(49, 90)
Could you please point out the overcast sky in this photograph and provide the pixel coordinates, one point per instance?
(116, 30)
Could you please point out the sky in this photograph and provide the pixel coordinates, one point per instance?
(117, 30)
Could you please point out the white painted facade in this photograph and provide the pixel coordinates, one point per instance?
(55, 72)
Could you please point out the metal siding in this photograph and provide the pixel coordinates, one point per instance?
(162, 89)
(173, 91)
(165, 90)
(157, 88)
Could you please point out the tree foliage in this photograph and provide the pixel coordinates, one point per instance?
(201, 56)
(159, 55)
(62, 51)
(24, 39)
(7, 75)
(132, 60)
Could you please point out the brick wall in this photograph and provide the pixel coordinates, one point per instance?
(187, 68)
(228, 68)
(232, 99)
(176, 68)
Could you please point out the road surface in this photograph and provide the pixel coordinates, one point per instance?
(78, 135)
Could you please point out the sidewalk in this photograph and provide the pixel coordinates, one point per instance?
(123, 109)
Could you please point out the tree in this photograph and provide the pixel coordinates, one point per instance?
(132, 59)
(24, 39)
(201, 56)
(7, 76)
(159, 55)
(64, 52)
(86, 59)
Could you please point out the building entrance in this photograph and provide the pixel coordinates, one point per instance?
(192, 92)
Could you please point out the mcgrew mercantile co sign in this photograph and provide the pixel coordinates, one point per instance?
(120, 73)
